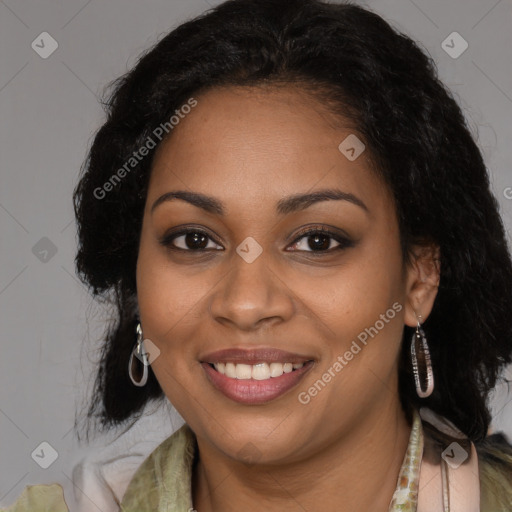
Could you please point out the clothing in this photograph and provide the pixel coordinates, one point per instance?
(103, 474)
(163, 481)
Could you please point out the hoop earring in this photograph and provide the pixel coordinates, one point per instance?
(419, 345)
(141, 354)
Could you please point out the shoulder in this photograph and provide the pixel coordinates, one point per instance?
(494, 455)
(39, 498)
(170, 462)
(495, 468)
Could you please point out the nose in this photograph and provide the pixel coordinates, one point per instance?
(251, 296)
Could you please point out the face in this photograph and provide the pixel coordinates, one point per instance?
(246, 289)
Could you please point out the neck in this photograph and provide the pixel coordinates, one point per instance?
(358, 472)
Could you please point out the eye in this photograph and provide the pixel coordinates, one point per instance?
(197, 240)
(320, 239)
(190, 240)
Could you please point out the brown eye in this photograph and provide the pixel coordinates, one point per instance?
(190, 240)
(320, 239)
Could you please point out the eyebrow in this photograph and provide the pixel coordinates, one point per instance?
(284, 206)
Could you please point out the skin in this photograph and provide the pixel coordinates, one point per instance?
(249, 148)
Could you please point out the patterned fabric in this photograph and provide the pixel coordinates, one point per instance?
(405, 497)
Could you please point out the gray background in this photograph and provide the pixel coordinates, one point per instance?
(50, 110)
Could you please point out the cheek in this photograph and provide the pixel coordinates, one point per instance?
(359, 365)
(171, 302)
(362, 304)
(162, 305)
(167, 297)
(352, 296)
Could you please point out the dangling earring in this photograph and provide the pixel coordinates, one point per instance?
(419, 346)
(142, 355)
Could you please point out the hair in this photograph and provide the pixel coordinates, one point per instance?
(367, 72)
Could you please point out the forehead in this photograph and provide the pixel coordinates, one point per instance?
(259, 144)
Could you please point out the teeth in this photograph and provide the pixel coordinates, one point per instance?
(276, 369)
(230, 370)
(243, 371)
(260, 371)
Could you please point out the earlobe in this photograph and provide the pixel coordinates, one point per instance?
(423, 277)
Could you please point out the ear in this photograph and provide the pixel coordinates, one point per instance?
(422, 282)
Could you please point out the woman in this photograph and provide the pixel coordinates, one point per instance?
(297, 229)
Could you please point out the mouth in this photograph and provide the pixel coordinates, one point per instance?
(259, 371)
(256, 376)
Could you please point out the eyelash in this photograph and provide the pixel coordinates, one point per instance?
(344, 242)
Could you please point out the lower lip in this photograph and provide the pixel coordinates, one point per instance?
(251, 391)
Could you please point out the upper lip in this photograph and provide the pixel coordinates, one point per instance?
(253, 356)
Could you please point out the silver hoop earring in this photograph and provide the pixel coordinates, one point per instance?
(142, 356)
(419, 346)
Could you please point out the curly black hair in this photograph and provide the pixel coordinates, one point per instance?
(365, 71)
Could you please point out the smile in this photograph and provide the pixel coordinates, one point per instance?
(260, 371)
(258, 383)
